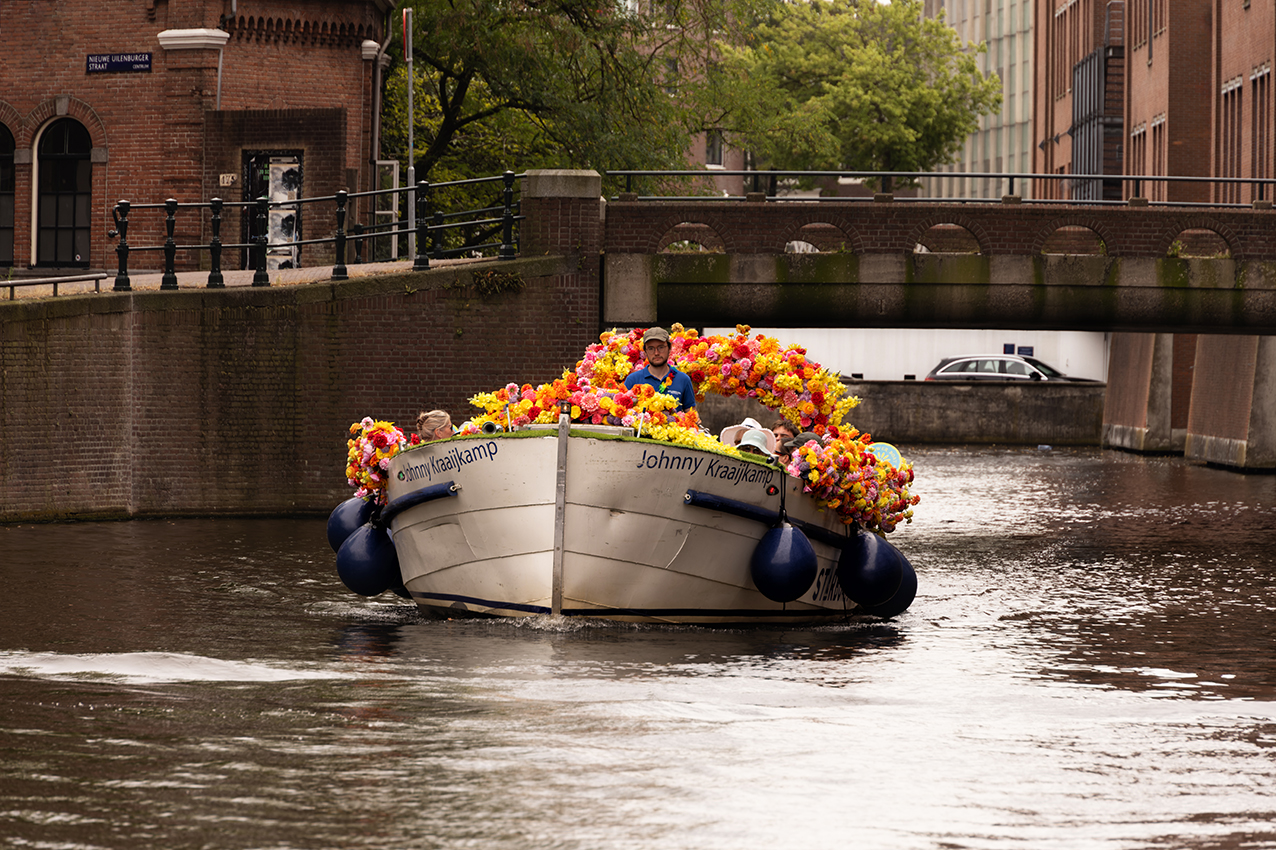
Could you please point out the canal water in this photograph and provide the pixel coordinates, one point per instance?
(1090, 663)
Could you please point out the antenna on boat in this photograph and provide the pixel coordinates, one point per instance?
(560, 507)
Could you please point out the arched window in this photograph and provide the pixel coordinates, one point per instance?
(66, 183)
(6, 196)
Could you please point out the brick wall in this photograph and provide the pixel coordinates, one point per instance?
(1129, 379)
(1221, 407)
(238, 400)
(647, 226)
(148, 129)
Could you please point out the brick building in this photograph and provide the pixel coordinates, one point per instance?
(189, 99)
(1157, 88)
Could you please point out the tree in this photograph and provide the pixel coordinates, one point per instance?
(856, 85)
(555, 83)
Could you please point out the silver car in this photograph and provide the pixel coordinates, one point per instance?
(997, 367)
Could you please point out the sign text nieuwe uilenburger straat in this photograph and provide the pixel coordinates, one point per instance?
(116, 63)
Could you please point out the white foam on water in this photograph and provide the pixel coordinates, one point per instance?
(150, 667)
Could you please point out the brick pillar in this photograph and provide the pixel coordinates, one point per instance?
(1233, 414)
(562, 214)
(1137, 409)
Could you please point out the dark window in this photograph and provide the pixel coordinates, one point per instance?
(66, 183)
(6, 196)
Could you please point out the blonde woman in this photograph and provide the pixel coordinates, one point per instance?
(434, 425)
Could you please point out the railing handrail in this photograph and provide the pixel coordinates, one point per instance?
(14, 283)
(1009, 177)
(430, 224)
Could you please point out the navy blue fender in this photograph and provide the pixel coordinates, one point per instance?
(784, 565)
(346, 518)
(869, 569)
(367, 562)
(903, 597)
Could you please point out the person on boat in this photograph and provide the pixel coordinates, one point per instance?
(660, 373)
(434, 425)
(733, 434)
(783, 431)
(797, 442)
(754, 442)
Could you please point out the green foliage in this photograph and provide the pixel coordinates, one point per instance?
(523, 84)
(856, 86)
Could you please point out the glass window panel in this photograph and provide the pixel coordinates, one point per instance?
(6, 247)
(81, 210)
(6, 211)
(66, 210)
(78, 140)
(83, 175)
(64, 246)
(81, 246)
(45, 252)
(48, 209)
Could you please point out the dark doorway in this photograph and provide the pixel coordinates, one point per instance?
(6, 196)
(65, 195)
(276, 175)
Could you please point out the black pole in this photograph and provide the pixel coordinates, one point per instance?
(422, 260)
(339, 270)
(507, 251)
(169, 280)
(356, 230)
(121, 250)
(215, 247)
(260, 278)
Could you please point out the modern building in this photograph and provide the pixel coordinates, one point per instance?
(189, 99)
(1004, 141)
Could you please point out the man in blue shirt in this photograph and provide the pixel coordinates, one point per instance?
(659, 373)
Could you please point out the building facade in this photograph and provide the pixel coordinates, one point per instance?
(1003, 143)
(147, 100)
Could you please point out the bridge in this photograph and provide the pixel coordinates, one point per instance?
(1146, 273)
(884, 262)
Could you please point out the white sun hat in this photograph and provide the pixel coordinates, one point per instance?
(757, 438)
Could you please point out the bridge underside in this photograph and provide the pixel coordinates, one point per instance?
(924, 290)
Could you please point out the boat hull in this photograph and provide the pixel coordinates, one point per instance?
(634, 547)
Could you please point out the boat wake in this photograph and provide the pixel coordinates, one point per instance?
(149, 668)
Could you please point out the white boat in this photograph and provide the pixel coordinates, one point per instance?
(592, 521)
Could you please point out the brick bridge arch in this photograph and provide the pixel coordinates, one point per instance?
(868, 274)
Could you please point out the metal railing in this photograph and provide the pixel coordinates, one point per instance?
(431, 232)
(13, 284)
(772, 184)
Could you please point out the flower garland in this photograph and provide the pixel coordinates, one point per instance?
(843, 475)
(371, 446)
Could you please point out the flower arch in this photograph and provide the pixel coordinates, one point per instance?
(842, 473)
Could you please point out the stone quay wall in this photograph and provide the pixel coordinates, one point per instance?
(239, 400)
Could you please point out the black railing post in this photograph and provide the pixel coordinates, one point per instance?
(260, 278)
(436, 235)
(215, 280)
(356, 230)
(169, 280)
(339, 270)
(120, 214)
(1012, 186)
(421, 261)
(507, 251)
